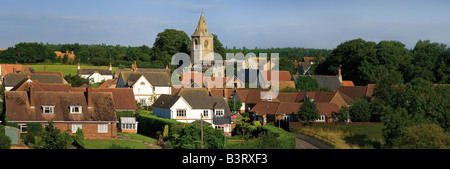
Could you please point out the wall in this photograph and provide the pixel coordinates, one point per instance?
(90, 130)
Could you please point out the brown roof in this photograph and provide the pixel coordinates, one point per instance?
(265, 107)
(217, 92)
(326, 108)
(9, 68)
(282, 75)
(288, 108)
(123, 97)
(19, 110)
(12, 79)
(92, 71)
(110, 83)
(347, 83)
(357, 91)
(155, 78)
(24, 85)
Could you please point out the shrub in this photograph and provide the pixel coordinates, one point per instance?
(424, 136)
(150, 124)
(5, 141)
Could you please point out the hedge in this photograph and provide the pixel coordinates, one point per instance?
(266, 137)
(150, 124)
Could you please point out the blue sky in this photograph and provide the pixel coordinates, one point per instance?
(251, 23)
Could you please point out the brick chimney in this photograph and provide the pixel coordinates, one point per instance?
(167, 66)
(89, 97)
(339, 73)
(110, 66)
(78, 65)
(134, 67)
(31, 97)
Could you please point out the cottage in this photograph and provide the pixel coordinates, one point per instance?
(193, 104)
(90, 111)
(12, 79)
(95, 75)
(147, 86)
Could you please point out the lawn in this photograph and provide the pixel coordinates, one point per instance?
(128, 141)
(66, 69)
(350, 136)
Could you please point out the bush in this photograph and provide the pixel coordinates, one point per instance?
(150, 124)
(188, 136)
(5, 141)
(424, 136)
(266, 137)
(360, 111)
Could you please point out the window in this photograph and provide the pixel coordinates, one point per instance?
(219, 112)
(269, 98)
(23, 128)
(75, 109)
(205, 113)
(219, 127)
(142, 83)
(48, 109)
(92, 80)
(321, 118)
(143, 102)
(128, 126)
(102, 128)
(75, 127)
(181, 113)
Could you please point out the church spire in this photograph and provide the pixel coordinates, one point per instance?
(202, 29)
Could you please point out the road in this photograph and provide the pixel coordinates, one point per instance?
(304, 142)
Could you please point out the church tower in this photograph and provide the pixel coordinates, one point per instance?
(202, 40)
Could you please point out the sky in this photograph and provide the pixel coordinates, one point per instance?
(322, 24)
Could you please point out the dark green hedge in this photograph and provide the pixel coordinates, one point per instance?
(266, 137)
(150, 124)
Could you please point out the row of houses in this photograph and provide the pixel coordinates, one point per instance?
(45, 96)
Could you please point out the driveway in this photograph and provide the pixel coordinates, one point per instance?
(305, 142)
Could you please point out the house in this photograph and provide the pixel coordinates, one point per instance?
(248, 96)
(123, 97)
(358, 91)
(110, 83)
(90, 111)
(61, 55)
(12, 79)
(194, 104)
(147, 86)
(95, 75)
(9, 68)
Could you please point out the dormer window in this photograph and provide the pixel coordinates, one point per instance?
(75, 110)
(48, 109)
(142, 83)
(219, 112)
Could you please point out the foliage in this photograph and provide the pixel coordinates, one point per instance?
(287, 64)
(360, 110)
(265, 137)
(344, 114)
(150, 124)
(166, 131)
(5, 141)
(290, 52)
(242, 129)
(306, 83)
(308, 111)
(34, 130)
(75, 80)
(53, 138)
(235, 105)
(188, 136)
(170, 42)
(79, 139)
(424, 136)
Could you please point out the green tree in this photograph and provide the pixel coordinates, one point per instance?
(287, 64)
(306, 83)
(53, 138)
(168, 43)
(218, 47)
(75, 80)
(424, 136)
(360, 110)
(308, 111)
(5, 141)
(235, 105)
(79, 139)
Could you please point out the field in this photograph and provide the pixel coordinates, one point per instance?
(351, 136)
(66, 69)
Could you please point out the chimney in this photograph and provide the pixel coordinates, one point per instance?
(31, 96)
(167, 66)
(72, 52)
(89, 97)
(225, 92)
(14, 69)
(134, 67)
(110, 66)
(339, 73)
(78, 65)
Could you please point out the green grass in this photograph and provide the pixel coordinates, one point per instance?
(107, 144)
(140, 137)
(66, 69)
(137, 143)
(365, 136)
